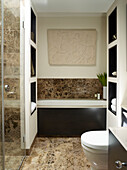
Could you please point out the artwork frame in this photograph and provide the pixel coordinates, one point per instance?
(72, 46)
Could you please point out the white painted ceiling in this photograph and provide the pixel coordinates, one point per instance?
(72, 6)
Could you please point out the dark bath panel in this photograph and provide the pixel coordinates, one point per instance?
(70, 121)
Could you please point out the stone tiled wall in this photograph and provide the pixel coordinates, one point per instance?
(68, 88)
(12, 47)
(12, 124)
(1, 156)
(14, 84)
(12, 70)
(12, 117)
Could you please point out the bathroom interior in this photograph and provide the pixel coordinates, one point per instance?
(55, 112)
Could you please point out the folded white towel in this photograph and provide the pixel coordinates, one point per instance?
(113, 108)
(113, 101)
(33, 106)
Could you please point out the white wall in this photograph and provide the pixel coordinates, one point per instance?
(47, 71)
(115, 121)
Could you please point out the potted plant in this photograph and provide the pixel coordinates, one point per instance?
(103, 80)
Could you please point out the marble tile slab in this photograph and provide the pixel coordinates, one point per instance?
(68, 88)
(58, 153)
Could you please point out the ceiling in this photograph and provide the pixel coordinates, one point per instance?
(72, 6)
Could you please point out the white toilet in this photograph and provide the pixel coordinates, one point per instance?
(95, 146)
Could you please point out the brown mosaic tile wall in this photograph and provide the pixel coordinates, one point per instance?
(12, 69)
(68, 88)
(14, 84)
(12, 120)
(12, 124)
(0, 95)
(12, 48)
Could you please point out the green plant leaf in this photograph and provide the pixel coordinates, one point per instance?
(102, 78)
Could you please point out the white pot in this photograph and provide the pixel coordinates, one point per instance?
(104, 92)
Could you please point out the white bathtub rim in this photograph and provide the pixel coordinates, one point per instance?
(72, 103)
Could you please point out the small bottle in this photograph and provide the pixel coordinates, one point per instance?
(98, 96)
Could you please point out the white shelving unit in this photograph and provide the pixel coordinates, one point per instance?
(30, 72)
(112, 58)
(116, 60)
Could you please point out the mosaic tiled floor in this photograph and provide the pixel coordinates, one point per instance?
(57, 154)
(11, 162)
(14, 148)
(13, 155)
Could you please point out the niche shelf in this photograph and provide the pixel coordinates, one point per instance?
(113, 61)
(33, 62)
(112, 26)
(112, 93)
(33, 95)
(33, 26)
(124, 118)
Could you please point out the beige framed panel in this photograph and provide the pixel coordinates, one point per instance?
(72, 46)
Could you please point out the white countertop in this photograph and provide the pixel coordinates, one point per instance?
(121, 134)
(72, 103)
(124, 107)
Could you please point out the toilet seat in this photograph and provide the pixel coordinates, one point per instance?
(95, 139)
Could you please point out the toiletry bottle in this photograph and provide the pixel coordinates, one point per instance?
(98, 96)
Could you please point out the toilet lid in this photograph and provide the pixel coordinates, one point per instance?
(95, 139)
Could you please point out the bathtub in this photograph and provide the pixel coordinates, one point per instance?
(70, 117)
(72, 103)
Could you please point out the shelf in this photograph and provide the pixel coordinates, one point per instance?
(33, 92)
(112, 93)
(124, 117)
(33, 95)
(112, 44)
(33, 44)
(32, 79)
(112, 26)
(33, 62)
(33, 26)
(34, 111)
(111, 111)
(112, 61)
(113, 79)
